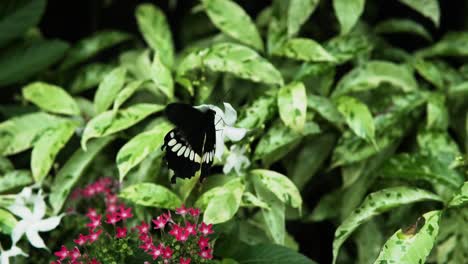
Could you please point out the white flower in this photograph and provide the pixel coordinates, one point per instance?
(13, 251)
(224, 122)
(236, 160)
(31, 221)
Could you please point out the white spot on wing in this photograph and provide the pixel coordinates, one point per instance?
(172, 142)
(197, 158)
(192, 155)
(176, 147)
(181, 151)
(187, 152)
(172, 134)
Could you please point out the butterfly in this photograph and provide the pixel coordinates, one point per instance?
(190, 146)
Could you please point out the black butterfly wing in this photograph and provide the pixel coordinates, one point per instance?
(190, 146)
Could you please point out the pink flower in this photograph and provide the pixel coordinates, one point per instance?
(147, 246)
(194, 212)
(184, 260)
(121, 232)
(91, 213)
(175, 231)
(94, 261)
(145, 238)
(191, 228)
(203, 242)
(157, 251)
(81, 240)
(143, 228)
(95, 222)
(111, 208)
(89, 191)
(112, 218)
(125, 213)
(159, 222)
(74, 254)
(167, 253)
(111, 199)
(62, 254)
(207, 253)
(183, 235)
(181, 211)
(93, 236)
(206, 229)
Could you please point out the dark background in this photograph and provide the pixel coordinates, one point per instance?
(74, 20)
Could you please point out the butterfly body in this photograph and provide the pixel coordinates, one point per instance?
(190, 146)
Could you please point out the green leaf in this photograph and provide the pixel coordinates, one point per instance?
(427, 8)
(239, 60)
(18, 16)
(440, 145)
(348, 12)
(51, 98)
(250, 200)
(162, 77)
(89, 76)
(140, 146)
(292, 105)
(220, 204)
(437, 113)
(375, 204)
(5, 165)
(372, 74)
(156, 31)
(402, 25)
(413, 246)
(23, 60)
(259, 112)
(71, 172)
(461, 197)
(19, 133)
(47, 147)
(274, 217)
(357, 116)
(150, 194)
(429, 71)
(303, 49)
(110, 122)
(233, 21)
(15, 179)
(108, 89)
(280, 185)
(314, 152)
(269, 254)
(91, 46)
(326, 109)
(126, 93)
(347, 47)
(298, 13)
(451, 44)
(421, 167)
(7, 222)
(278, 141)
(368, 239)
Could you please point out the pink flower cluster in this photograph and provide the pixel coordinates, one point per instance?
(192, 236)
(102, 186)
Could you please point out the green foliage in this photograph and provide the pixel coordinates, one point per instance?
(345, 123)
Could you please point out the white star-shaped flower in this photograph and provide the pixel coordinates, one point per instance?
(31, 221)
(236, 160)
(224, 121)
(7, 254)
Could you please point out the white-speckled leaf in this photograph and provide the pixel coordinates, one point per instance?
(375, 204)
(414, 245)
(51, 98)
(373, 73)
(233, 21)
(7, 222)
(303, 49)
(152, 195)
(239, 60)
(427, 8)
(358, 117)
(461, 197)
(108, 89)
(292, 105)
(140, 146)
(46, 148)
(298, 13)
(155, 29)
(110, 122)
(348, 12)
